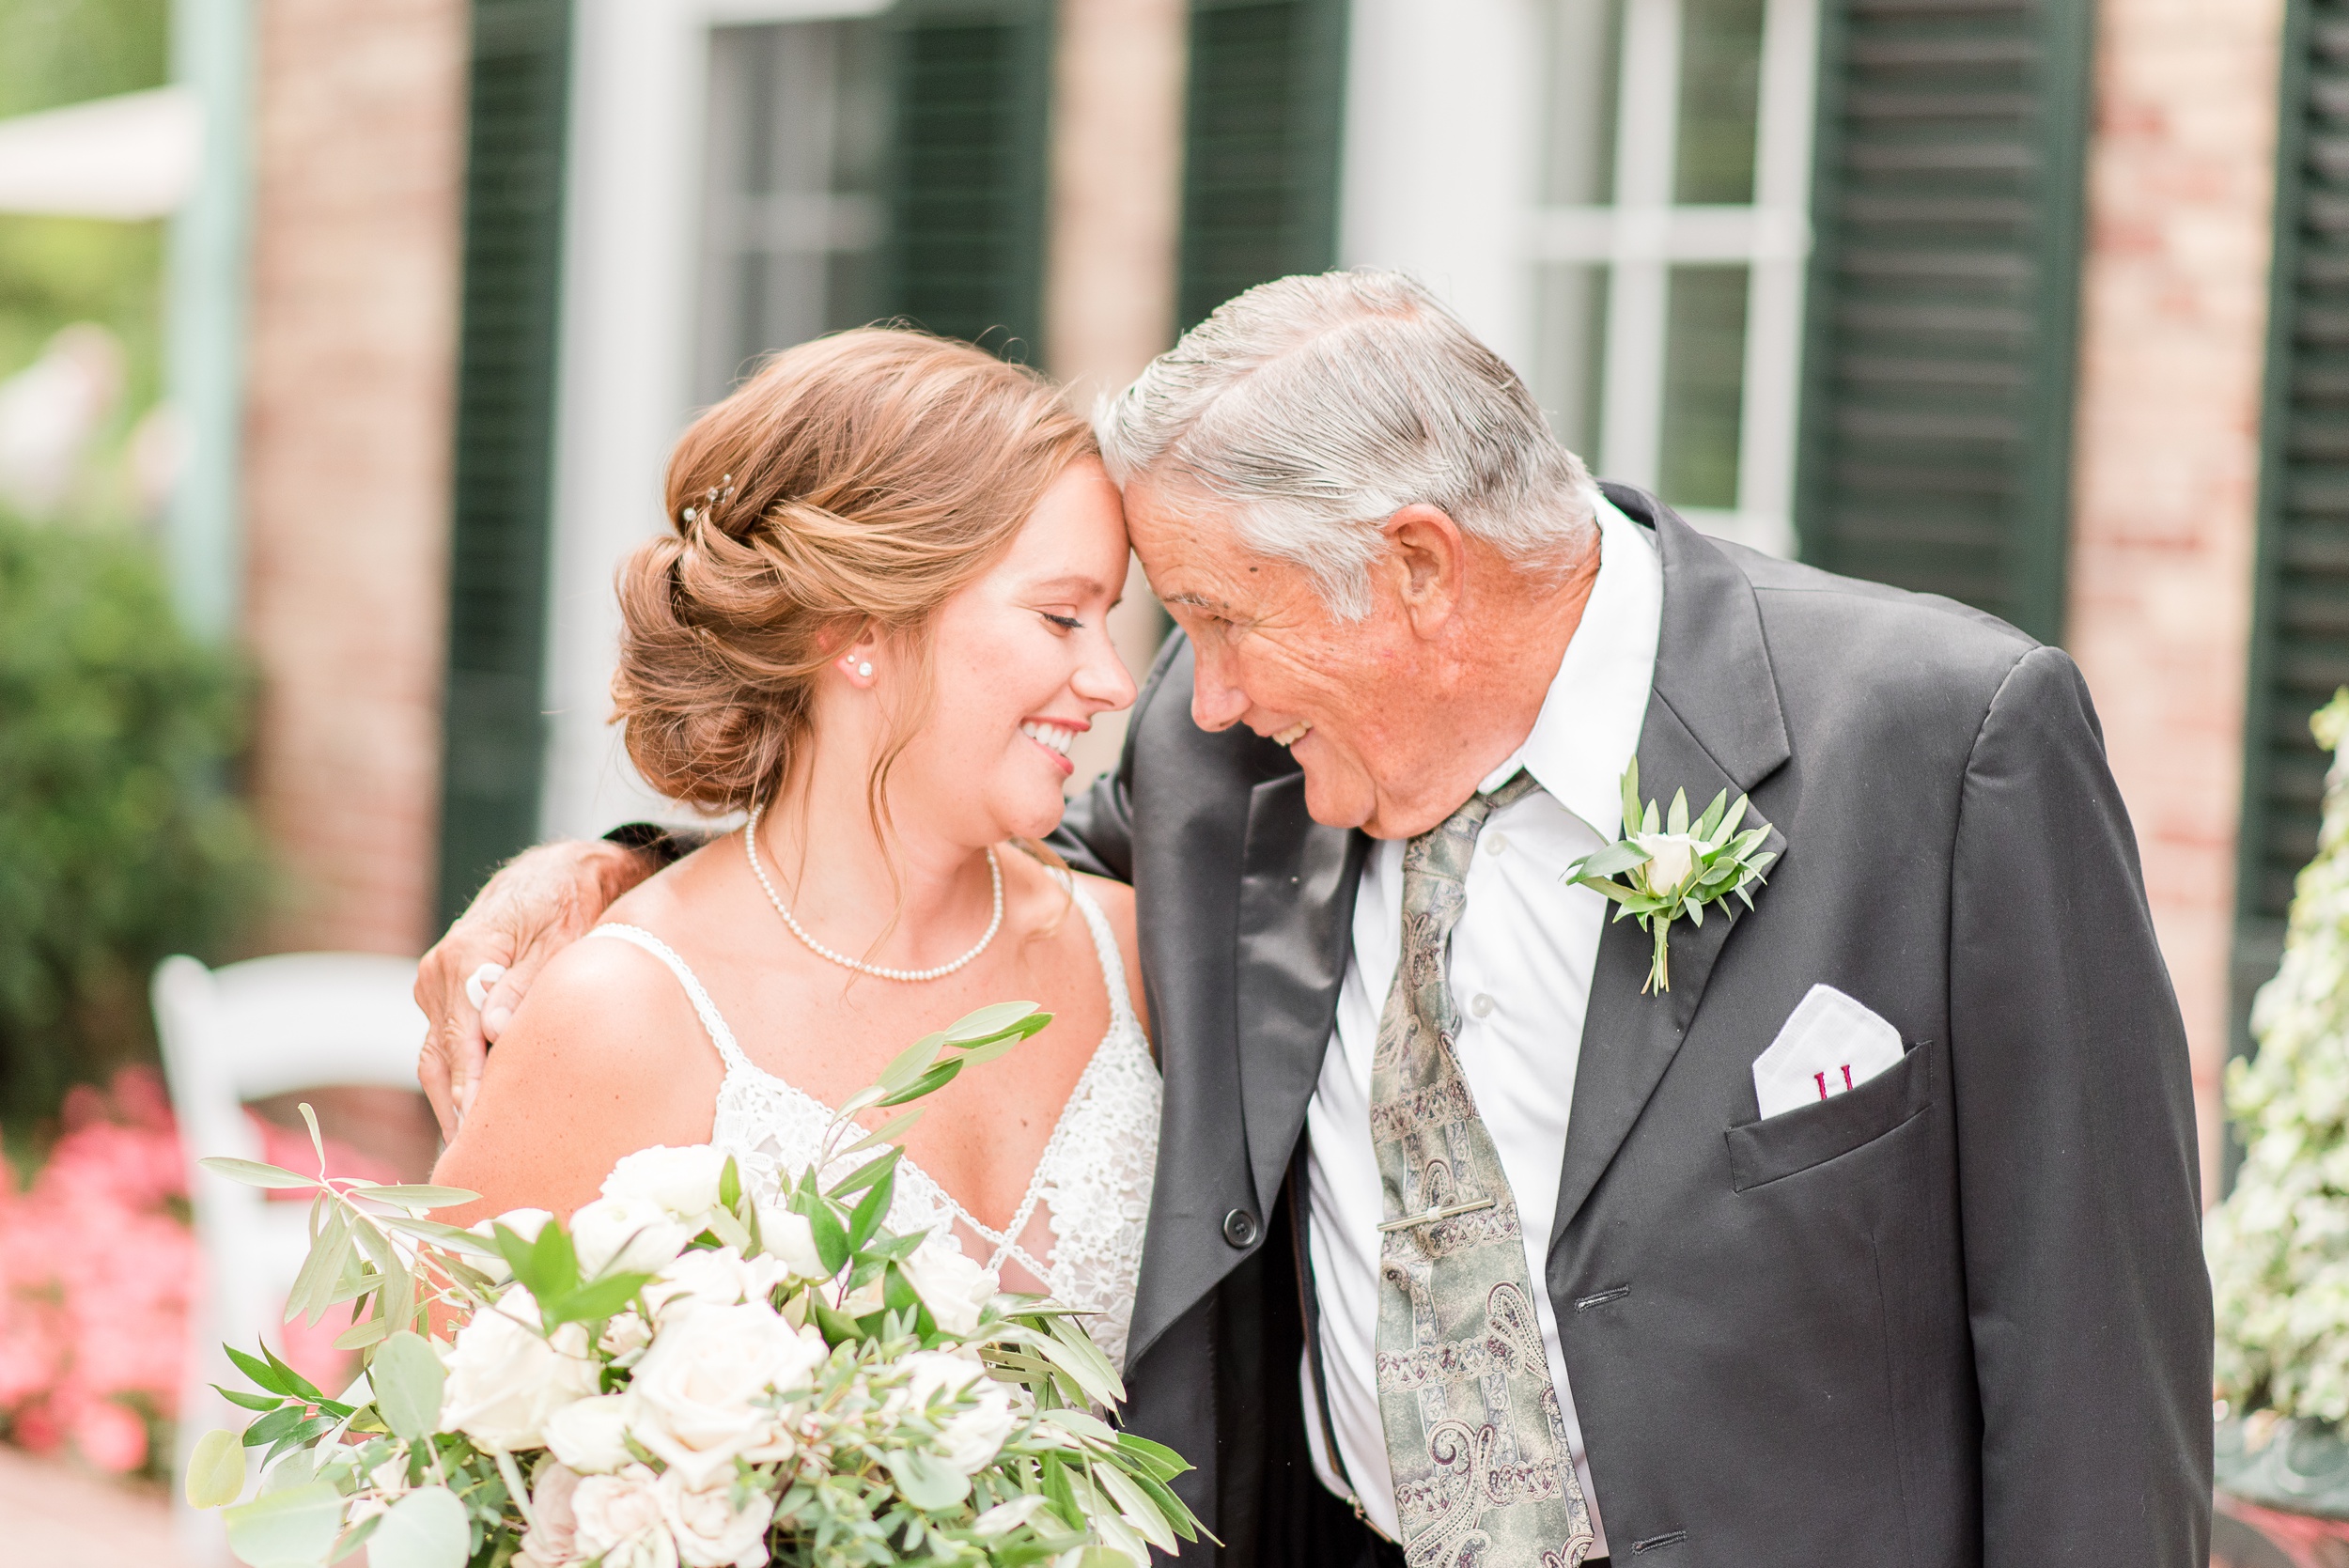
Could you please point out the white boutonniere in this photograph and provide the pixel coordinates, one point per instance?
(1671, 867)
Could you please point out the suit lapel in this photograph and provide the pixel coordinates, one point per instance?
(1713, 723)
(1296, 911)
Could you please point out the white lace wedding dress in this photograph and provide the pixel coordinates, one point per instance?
(1078, 1232)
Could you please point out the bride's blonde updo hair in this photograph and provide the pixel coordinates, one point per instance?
(853, 485)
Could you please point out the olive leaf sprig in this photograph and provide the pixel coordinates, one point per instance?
(1671, 867)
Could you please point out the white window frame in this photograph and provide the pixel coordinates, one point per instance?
(1441, 177)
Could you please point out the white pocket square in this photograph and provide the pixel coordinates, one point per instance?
(1829, 1046)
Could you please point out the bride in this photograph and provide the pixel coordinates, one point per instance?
(876, 628)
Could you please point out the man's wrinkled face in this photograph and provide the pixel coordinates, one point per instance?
(1349, 698)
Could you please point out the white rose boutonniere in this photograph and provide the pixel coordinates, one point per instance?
(1672, 867)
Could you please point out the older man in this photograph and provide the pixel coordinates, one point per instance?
(1512, 1226)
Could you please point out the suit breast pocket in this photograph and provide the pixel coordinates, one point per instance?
(1794, 1140)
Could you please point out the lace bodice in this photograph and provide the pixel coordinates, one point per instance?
(1079, 1229)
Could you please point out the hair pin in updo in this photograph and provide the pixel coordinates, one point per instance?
(715, 496)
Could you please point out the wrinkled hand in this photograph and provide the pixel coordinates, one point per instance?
(542, 902)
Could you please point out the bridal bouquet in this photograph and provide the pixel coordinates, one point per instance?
(691, 1372)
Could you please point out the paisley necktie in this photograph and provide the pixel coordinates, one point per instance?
(1483, 1476)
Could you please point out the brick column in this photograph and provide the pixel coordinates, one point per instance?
(2173, 316)
(359, 134)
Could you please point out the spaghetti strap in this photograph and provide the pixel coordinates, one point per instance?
(720, 1035)
(1105, 948)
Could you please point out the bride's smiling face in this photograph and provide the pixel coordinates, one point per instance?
(1021, 664)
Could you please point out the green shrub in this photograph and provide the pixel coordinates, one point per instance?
(119, 840)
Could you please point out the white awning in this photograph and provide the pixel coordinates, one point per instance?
(134, 156)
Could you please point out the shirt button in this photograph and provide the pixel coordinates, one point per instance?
(1240, 1228)
(1496, 843)
(1481, 1006)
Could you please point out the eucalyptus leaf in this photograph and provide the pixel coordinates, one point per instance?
(421, 1195)
(1138, 1508)
(1712, 818)
(926, 1481)
(407, 1379)
(216, 1470)
(317, 1139)
(1676, 820)
(253, 1173)
(928, 1083)
(426, 1528)
(870, 1171)
(910, 1063)
(896, 1128)
(359, 1336)
(987, 1022)
(293, 1529)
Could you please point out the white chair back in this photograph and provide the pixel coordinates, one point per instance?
(242, 1033)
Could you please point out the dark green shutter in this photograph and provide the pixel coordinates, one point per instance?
(1937, 417)
(2300, 601)
(494, 727)
(967, 191)
(1260, 164)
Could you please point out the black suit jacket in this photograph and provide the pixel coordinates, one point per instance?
(1957, 1316)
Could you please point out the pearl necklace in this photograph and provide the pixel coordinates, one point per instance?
(995, 874)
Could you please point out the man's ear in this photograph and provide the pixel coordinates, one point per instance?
(1427, 560)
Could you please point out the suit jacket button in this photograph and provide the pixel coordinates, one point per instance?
(1240, 1228)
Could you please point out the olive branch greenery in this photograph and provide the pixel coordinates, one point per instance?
(1672, 868)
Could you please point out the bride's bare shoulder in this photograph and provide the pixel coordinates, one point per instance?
(606, 1006)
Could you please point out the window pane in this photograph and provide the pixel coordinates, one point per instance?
(1585, 42)
(1720, 93)
(1572, 363)
(1704, 373)
(799, 119)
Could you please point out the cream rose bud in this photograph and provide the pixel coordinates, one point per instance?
(953, 1287)
(626, 1337)
(702, 1389)
(590, 1434)
(504, 1379)
(1673, 859)
(704, 1278)
(683, 1181)
(627, 1236)
(552, 1539)
(710, 1531)
(790, 1240)
(618, 1518)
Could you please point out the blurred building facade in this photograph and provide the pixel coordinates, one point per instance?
(2033, 302)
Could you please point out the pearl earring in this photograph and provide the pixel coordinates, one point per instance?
(865, 668)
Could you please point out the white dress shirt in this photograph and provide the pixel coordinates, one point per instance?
(1520, 971)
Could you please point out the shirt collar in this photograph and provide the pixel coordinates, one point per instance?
(1588, 730)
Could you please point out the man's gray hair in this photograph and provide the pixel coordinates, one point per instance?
(1319, 407)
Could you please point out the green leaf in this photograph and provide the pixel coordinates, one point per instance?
(1616, 890)
(1162, 1460)
(314, 1286)
(420, 1195)
(426, 1528)
(894, 1128)
(867, 1173)
(355, 1538)
(553, 1265)
(250, 1401)
(1171, 1508)
(317, 1141)
(831, 1242)
(407, 1379)
(1694, 910)
(835, 1326)
(1140, 1509)
(869, 1213)
(1676, 821)
(1712, 818)
(1084, 1423)
(293, 1529)
(253, 1173)
(301, 1437)
(1647, 818)
(987, 1022)
(729, 1231)
(269, 1428)
(594, 1302)
(1054, 1475)
(365, 1334)
(898, 1294)
(1737, 815)
(926, 1481)
(1614, 860)
(1083, 1361)
(216, 1470)
(1631, 795)
(730, 1184)
(910, 1063)
(988, 1050)
(262, 1373)
(448, 1238)
(928, 1083)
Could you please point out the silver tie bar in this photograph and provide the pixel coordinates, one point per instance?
(1431, 1216)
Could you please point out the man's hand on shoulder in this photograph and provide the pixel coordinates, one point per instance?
(542, 902)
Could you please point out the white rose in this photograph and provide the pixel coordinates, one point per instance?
(504, 1379)
(971, 1440)
(1004, 1517)
(695, 1389)
(618, 1518)
(952, 1286)
(1673, 860)
(710, 1531)
(789, 1239)
(634, 1235)
(703, 1277)
(589, 1434)
(552, 1539)
(626, 1337)
(934, 1374)
(683, 1181)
